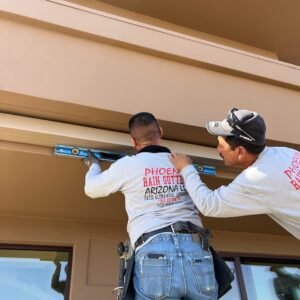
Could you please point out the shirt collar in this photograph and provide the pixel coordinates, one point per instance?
(155, 149)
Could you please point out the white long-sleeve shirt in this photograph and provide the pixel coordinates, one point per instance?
(271, 185)
(155, 196)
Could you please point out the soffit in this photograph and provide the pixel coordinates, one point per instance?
(43, 186)
(35, 183)
(269, 25)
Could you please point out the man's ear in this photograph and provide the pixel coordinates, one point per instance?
(161, 132)
(133, 142)
(241, 152)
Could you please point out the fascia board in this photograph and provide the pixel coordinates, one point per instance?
(49, 133)
(16, 130)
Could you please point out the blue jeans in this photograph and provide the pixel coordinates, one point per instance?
(174, 267)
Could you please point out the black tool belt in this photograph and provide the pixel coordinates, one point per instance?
(178, 227)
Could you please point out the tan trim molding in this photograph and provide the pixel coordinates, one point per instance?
(146, 38)
(20, 147)
(49, 133)
(20, 133)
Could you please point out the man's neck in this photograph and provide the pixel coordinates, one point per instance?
(146, 144)
(250, 159)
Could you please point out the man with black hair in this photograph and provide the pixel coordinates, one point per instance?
(172, 259)
(269, 183)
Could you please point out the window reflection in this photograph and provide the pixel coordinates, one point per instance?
(59, 277)
(33, 275)
(265, 281)
(287, 282)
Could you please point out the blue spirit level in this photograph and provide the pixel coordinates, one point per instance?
(78, 152)
(205, 170)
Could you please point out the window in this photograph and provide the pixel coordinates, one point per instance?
(264, 278)
(34, 273)
(271, 280)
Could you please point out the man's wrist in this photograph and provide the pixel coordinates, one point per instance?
(186, 168)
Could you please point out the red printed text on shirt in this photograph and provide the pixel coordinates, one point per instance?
(293, 171)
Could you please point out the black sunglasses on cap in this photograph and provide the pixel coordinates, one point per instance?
(237, 124)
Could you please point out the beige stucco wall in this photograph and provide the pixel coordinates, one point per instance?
(66, 55)
(56, 63)
(95, 261)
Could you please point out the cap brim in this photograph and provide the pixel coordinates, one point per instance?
(220, 128)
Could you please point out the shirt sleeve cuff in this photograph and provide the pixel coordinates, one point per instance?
(95, 167)
(187, 170)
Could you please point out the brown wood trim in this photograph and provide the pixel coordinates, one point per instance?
(259, 256)
(240, 278)
(36, 247)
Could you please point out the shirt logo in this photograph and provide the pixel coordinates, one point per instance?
(164, 185)
(293, 171)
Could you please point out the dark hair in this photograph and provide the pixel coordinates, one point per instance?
(235, 142)
(144, 126)
(142, 119)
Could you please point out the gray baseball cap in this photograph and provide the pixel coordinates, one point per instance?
(245, 125)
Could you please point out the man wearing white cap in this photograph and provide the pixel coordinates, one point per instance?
(269, 183)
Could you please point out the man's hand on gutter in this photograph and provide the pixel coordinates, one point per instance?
(180, 160)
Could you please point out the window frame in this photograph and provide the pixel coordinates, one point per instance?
(238, 257)
(33, 247)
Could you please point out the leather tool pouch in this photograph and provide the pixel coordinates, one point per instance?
(128, 292)
(125, 289)
(223, 273)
